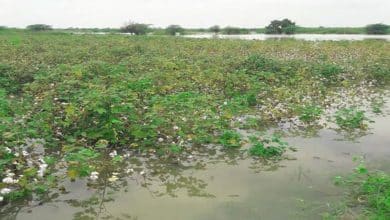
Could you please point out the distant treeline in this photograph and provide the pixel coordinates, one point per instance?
(284, 26)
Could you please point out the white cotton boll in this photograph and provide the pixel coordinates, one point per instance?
(42, 169)
(5, 191)
(175, 128)
(142, 173)
(8, 180)
(40, 173)
(1, 199)
(16, 154)
(113, 154)
(130, 171)
(160, 140)
(113, 178)
(10, 174)
(8, 150)
(94, 176)
(25, 153)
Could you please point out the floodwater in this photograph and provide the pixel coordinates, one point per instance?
(308, 37)
(220, 185)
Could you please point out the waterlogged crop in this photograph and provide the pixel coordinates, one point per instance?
(267, 147)
(73, 106)
(230, 139)
(351, 118)
(310, 113)
(369, 193)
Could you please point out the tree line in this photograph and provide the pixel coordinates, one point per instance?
(284, 26)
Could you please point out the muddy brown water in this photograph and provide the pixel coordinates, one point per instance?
(299, 188)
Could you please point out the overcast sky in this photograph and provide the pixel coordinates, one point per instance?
(192, 13)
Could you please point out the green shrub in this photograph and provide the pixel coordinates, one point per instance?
(39, 27)
(377, 29)
(284, 26)
(234, 30)
(135, 28)
(174, 30)
(215, 29)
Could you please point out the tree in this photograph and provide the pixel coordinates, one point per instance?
(284, 26)
(39, 27)
(174, 29)
(135, 28)
(377, 29)
(215, 29)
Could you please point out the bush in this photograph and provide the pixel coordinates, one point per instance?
(377, 29)
(135, 28)
(234, 30)
(39, 27)
(284, 26)
(174, 29)
(215, 29)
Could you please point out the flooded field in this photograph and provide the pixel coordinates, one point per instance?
(120, 127)
(308, 37)
(226, 185)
